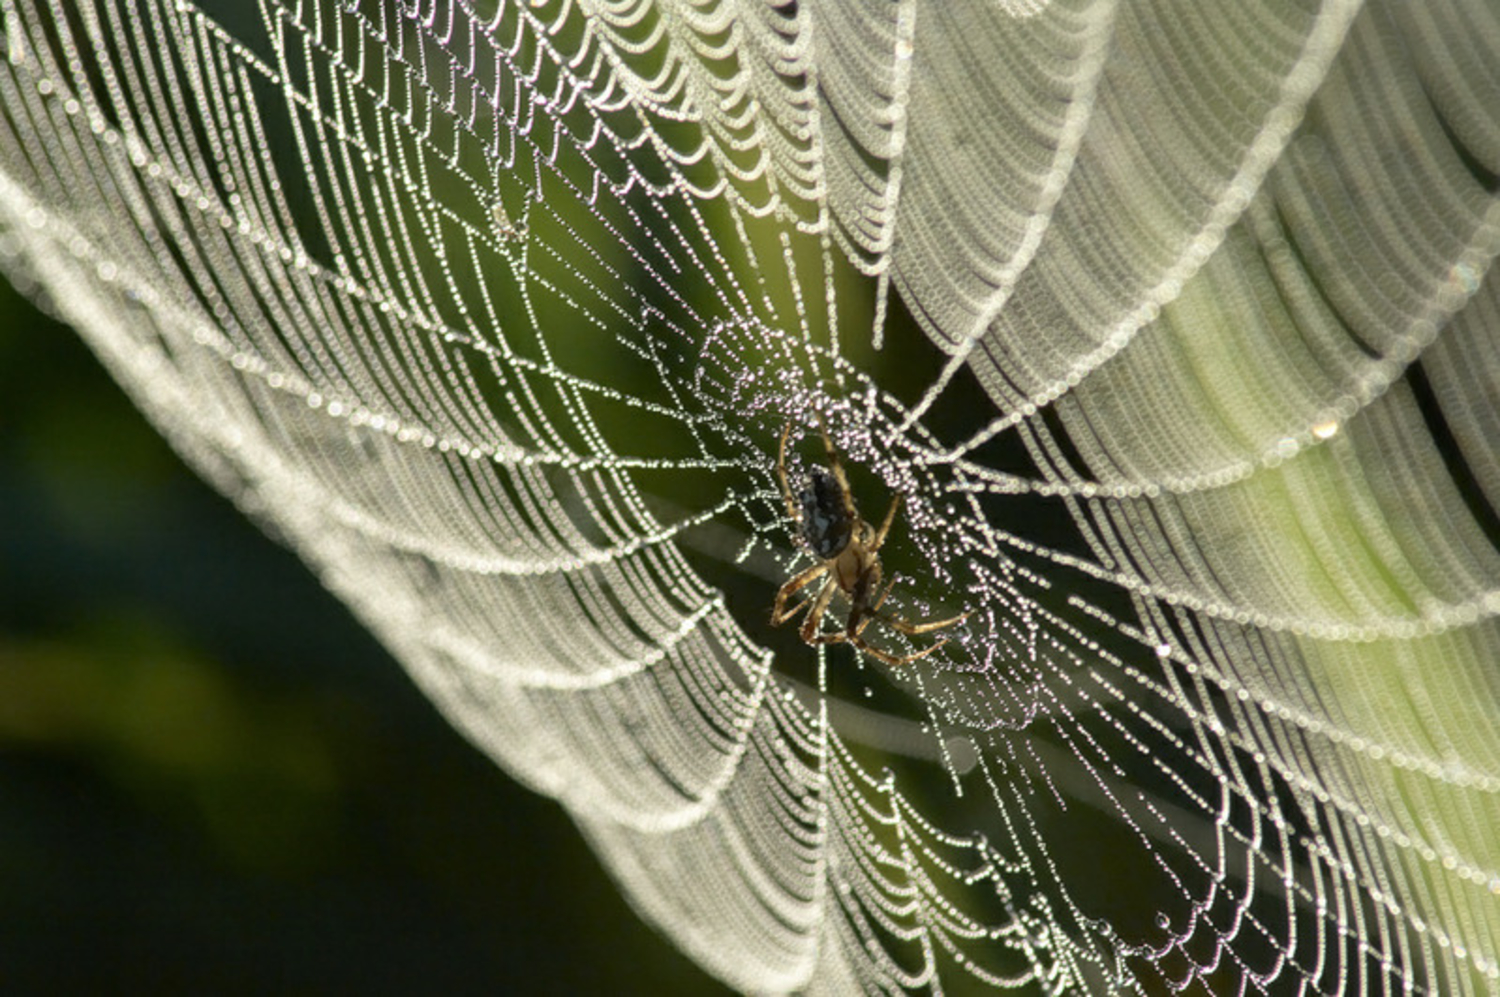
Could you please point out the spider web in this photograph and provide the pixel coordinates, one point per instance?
(1174, 324)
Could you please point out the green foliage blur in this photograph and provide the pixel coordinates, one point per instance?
(213, 780)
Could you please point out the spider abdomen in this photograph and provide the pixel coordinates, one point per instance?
(826, 525)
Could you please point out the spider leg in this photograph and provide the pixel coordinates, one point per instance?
(885, 525)
(861, 615)
(780, 614)
(809, 632)
(871, 612)
(786, 488)
(860, 606)
(908, 627)
(836, 466)
(893, 659)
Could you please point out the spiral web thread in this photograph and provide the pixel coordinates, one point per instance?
(1174, 323)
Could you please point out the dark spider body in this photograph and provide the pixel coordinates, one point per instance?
(826, 525)
(848, 553)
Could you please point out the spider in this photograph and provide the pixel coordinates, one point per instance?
(848, 552)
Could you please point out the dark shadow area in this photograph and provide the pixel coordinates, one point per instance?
(215, 780)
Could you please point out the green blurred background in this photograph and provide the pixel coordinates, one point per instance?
(214, 781)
